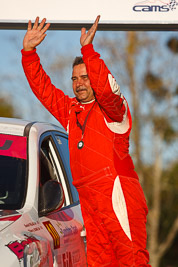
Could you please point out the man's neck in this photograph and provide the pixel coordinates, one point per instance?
(91, 101)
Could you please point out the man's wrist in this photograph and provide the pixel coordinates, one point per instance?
(28, 49)
(28, 52)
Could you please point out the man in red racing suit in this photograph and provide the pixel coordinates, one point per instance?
(112, 201)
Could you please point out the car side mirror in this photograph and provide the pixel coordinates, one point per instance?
(51, 197)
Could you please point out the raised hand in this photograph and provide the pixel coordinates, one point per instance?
(35, 35)
(87, 37)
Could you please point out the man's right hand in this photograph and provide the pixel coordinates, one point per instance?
(35, 35)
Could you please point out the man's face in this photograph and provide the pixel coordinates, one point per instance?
(81, 84)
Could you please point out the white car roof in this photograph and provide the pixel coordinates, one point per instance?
(21, 127)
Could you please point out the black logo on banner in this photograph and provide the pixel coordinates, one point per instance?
(156, 6)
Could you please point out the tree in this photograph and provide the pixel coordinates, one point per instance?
(151, 92)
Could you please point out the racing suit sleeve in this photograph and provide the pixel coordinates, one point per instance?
(106, 89)
(52, 98)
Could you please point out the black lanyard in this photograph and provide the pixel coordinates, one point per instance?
(82, 127)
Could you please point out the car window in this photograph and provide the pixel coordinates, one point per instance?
(51, 167)
(62, 145)
(13, 174)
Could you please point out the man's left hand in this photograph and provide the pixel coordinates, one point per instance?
(87, 37)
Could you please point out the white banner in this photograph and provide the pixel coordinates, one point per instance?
(113, 12)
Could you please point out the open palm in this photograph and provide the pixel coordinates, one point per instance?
(87, 37)
(35, 35)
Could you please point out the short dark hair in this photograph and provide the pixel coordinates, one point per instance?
(77, 61)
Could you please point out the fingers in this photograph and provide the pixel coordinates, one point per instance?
(39, 27)
(41, 24)
(45, 28)
(83, 31)
(42, 38)
(93, 29)
(29, 25)
(97, 20)
(95, 24)
(87, 37)
(35, 26)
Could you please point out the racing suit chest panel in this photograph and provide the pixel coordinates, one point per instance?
(97, 152)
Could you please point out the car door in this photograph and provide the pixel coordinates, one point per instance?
(62, 227)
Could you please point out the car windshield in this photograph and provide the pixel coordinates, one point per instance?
(13, 159)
